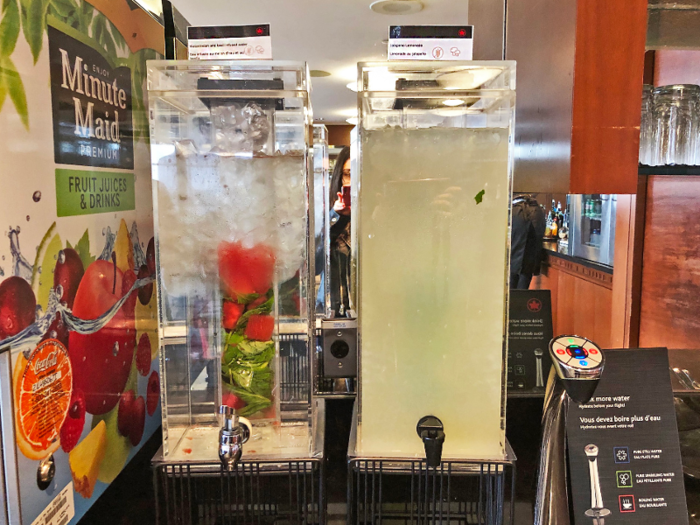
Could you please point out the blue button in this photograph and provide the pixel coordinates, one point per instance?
(584, 363)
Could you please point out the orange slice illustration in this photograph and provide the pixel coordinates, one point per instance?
(42, 388)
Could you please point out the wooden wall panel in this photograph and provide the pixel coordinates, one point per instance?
(624, 271)
(581, 304)
(608, 71)
(670, 291)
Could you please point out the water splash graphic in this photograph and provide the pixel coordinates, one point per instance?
(139, 256)
(28, 338)
(106, 254)
(20, 266)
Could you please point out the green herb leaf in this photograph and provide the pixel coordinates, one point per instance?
(9, 27)
(83, 249)
(263, 309)
(254, 348)
(13, 84)
(479, 196)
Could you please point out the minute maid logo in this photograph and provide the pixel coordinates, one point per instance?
(91, 102)
(86, 125)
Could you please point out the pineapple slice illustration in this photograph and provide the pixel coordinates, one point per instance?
(85, 460)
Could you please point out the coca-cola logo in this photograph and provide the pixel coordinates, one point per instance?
(534, 305)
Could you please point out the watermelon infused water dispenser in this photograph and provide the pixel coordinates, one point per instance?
(232, 179)
(431, 252)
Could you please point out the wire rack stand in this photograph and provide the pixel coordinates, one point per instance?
(388, 491)
(255, 492)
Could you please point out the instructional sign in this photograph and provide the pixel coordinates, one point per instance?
(623, 445)
(431, 42)
(252, 42)
(529, 334)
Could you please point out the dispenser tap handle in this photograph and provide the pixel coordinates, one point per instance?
(431, 431)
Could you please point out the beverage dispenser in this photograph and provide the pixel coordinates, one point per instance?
(232, 181)
(431, 252)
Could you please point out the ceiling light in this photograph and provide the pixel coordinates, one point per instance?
(396, 7)
(453, 102)
(352, 86)
(352, 120)
(317, 73)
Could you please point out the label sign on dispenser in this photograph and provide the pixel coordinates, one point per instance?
(624, 444)
(252, 42)
(529, 334)
(431, 42)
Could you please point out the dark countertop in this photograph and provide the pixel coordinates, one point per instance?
(553, 248)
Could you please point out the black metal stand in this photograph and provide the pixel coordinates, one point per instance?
(256, 492)
(383, 490)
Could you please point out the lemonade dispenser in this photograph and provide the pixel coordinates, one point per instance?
(431, 251)
(232, 182)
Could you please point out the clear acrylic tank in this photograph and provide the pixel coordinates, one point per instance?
(321, 225)
(431, 252)
(232, 179)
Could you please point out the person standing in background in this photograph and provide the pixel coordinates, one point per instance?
(527, 232)
(340, 234)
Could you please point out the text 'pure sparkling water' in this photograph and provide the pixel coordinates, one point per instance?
(433, 227)
(206, 199)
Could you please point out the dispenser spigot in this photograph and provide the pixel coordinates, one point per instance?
(234, 432)
(432, 432)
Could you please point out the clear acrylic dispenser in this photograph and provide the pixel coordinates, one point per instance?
(431, 247)
(232, 179)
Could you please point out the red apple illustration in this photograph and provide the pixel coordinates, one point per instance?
(17, 306)
(102, 360)
(68, 273)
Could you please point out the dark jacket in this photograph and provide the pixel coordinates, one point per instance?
(527, 232)
(340, 263)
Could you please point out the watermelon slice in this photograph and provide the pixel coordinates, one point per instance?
(232, 311)
(260, 327)
(245, 273)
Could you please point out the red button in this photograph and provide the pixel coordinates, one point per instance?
(593, 351)
(560, 352)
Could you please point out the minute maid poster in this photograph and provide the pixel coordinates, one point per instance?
(77, 304)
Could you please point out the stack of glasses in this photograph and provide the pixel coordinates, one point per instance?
(670, 125)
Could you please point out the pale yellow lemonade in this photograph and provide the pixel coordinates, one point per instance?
(433, 224)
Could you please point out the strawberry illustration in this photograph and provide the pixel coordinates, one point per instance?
(260, 327)
(143, 355)
(232, 311)
(152, 393)
(74, 422)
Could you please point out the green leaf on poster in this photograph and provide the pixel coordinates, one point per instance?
(479, 196)
(9, 27)
(63, 9)
(34, 25)
(83, 249)
(13, 85)
(3, 90)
